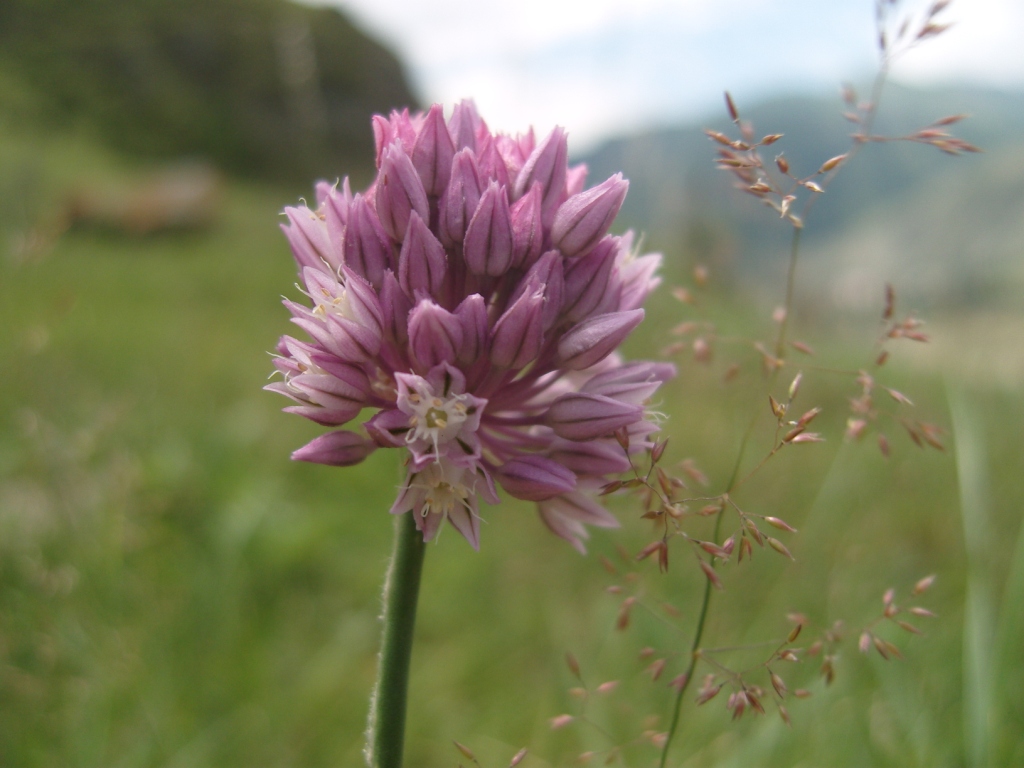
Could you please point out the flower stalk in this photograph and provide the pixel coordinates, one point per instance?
(386, 729)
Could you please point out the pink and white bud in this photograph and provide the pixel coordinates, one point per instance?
(395, 306)
(575, 179)
(336, 449)
(399, 192)
(589, 342)
(581, 416)
(472, 314)
(366, 247)
(583, 219)
(586, 279)
(546, 165)
(535, 478)
(459, 202)
(527, 230)
(519, 332)
(566, 515)
(435, 335)
(422, 263)
(433, 151)
(593, 457)
(488, 245)
(465, 124)
(307, 236)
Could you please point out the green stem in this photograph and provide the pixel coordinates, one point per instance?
(386, 730)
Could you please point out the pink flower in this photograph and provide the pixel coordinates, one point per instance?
(474, 298)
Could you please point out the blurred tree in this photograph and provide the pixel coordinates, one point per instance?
(260, 87)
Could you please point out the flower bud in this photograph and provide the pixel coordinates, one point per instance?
(387, 130)
(464, 125)
(435, 335)
(535, 478)
(307, 236)
(590, 341)
(546, 276)
(584, 219)
(460, 200)
(337, 449)
(527, 231)
(395, 306)
(366, 246)
(399, 192)
(472, 314)
(488, 244)
(586, 279)
(576, 179)
(422, 263)
(433, 152)
(593, 457)
(581, 416)
(547, 165)
(519, 333)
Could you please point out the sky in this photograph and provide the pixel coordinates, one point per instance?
(602, 68)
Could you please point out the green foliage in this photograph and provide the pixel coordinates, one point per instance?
(261, 87)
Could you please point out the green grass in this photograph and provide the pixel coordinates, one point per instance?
(175, 592)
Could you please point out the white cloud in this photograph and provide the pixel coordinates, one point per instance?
(604, 66)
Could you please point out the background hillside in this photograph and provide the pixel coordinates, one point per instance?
(946, 229)
(262, 88)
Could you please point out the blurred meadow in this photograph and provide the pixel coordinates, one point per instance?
(175, 592)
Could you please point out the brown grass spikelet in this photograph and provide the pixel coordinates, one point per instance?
(779, 547)
(832, 163)
(923, 585)
(656, 668)
(712, 576)
(573, 664)
(624, 612)
(782, 525)
(518, 757)
(560, 721)
(466, 751)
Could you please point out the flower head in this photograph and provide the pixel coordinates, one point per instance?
(474, 298)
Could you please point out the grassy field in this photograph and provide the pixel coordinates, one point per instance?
(175, 592)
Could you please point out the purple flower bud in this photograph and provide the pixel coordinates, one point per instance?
(488, 245)
(388, 428)
(580, 416)
(631, 383)
(433, 152)
(395, 306)
(590, 341)
(546, 165)
(366, 246)
(565, 515)
(472, 313)
(586, 279)
(465, 124)
(334, 206)
(387, 130)
(337, 449)
(545, 275)
(492, 166)
(422, 263)
(435, 335)
(460, 199)
(535, 478)
(527, 231)
(584, 219)
(592, 458)
(307, 235)
(576, 179)
(638, 280)
(399, 192)
(519, 333)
